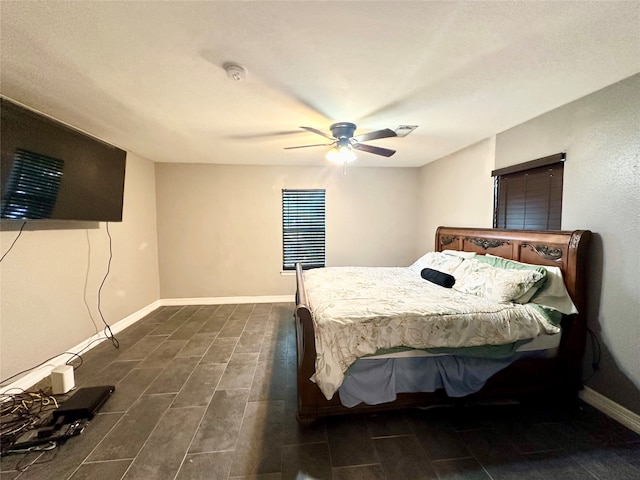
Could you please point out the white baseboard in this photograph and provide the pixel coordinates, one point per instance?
(134, 317)
(167, 302)
(612, 409)
(37, 374)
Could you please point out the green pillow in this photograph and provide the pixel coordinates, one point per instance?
(500, 262)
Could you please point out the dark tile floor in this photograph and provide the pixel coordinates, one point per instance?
(208, 392)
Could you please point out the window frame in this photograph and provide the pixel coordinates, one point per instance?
(303, 228)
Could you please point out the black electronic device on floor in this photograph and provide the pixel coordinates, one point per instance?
(83, 404)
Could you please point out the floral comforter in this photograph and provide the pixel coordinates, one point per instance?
(359, 310)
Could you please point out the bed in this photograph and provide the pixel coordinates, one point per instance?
(557, 376)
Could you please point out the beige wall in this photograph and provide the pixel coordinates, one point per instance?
(455, 191)
(50, 279)
(220, 226)
(600, 134)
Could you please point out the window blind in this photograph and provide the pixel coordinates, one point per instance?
(530, 199)
(303, 228)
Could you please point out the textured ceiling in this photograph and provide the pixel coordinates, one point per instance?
(148, 76)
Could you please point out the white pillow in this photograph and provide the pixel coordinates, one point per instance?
(554, 293)
(493, 283)
(437, 261)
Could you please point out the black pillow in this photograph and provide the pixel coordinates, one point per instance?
(439, 278)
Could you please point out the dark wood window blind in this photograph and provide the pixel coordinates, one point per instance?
(303, 228)
(529, 196)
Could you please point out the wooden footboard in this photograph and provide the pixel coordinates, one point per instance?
(559, 377)
(306, 354)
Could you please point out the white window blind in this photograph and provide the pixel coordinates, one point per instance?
(303, 228)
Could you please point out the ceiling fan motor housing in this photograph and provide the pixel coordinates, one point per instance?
(343, 129)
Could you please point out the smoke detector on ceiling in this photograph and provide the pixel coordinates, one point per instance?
(235, 72)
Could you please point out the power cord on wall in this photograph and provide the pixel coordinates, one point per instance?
(5, 380)
(596, 354)
(107, 330)
(14, 241)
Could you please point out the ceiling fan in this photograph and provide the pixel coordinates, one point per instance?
(344, 141)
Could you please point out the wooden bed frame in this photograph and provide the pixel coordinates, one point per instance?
(559, 377)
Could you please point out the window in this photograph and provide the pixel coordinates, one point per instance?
(303, 228)
(529, 196)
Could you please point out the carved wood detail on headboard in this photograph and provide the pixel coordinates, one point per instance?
(545, 251)
(487, 244)
(447, 239)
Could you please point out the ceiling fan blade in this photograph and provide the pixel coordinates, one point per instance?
(385, 133)
(314, 145)
(385, 152)
(319, 132)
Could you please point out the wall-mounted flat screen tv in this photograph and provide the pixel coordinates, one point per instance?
(51, 171)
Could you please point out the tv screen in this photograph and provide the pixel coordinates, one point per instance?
(50, 171)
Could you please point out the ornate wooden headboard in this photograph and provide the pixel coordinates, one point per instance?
(565, 249)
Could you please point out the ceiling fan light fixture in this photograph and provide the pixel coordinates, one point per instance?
(341, 155)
